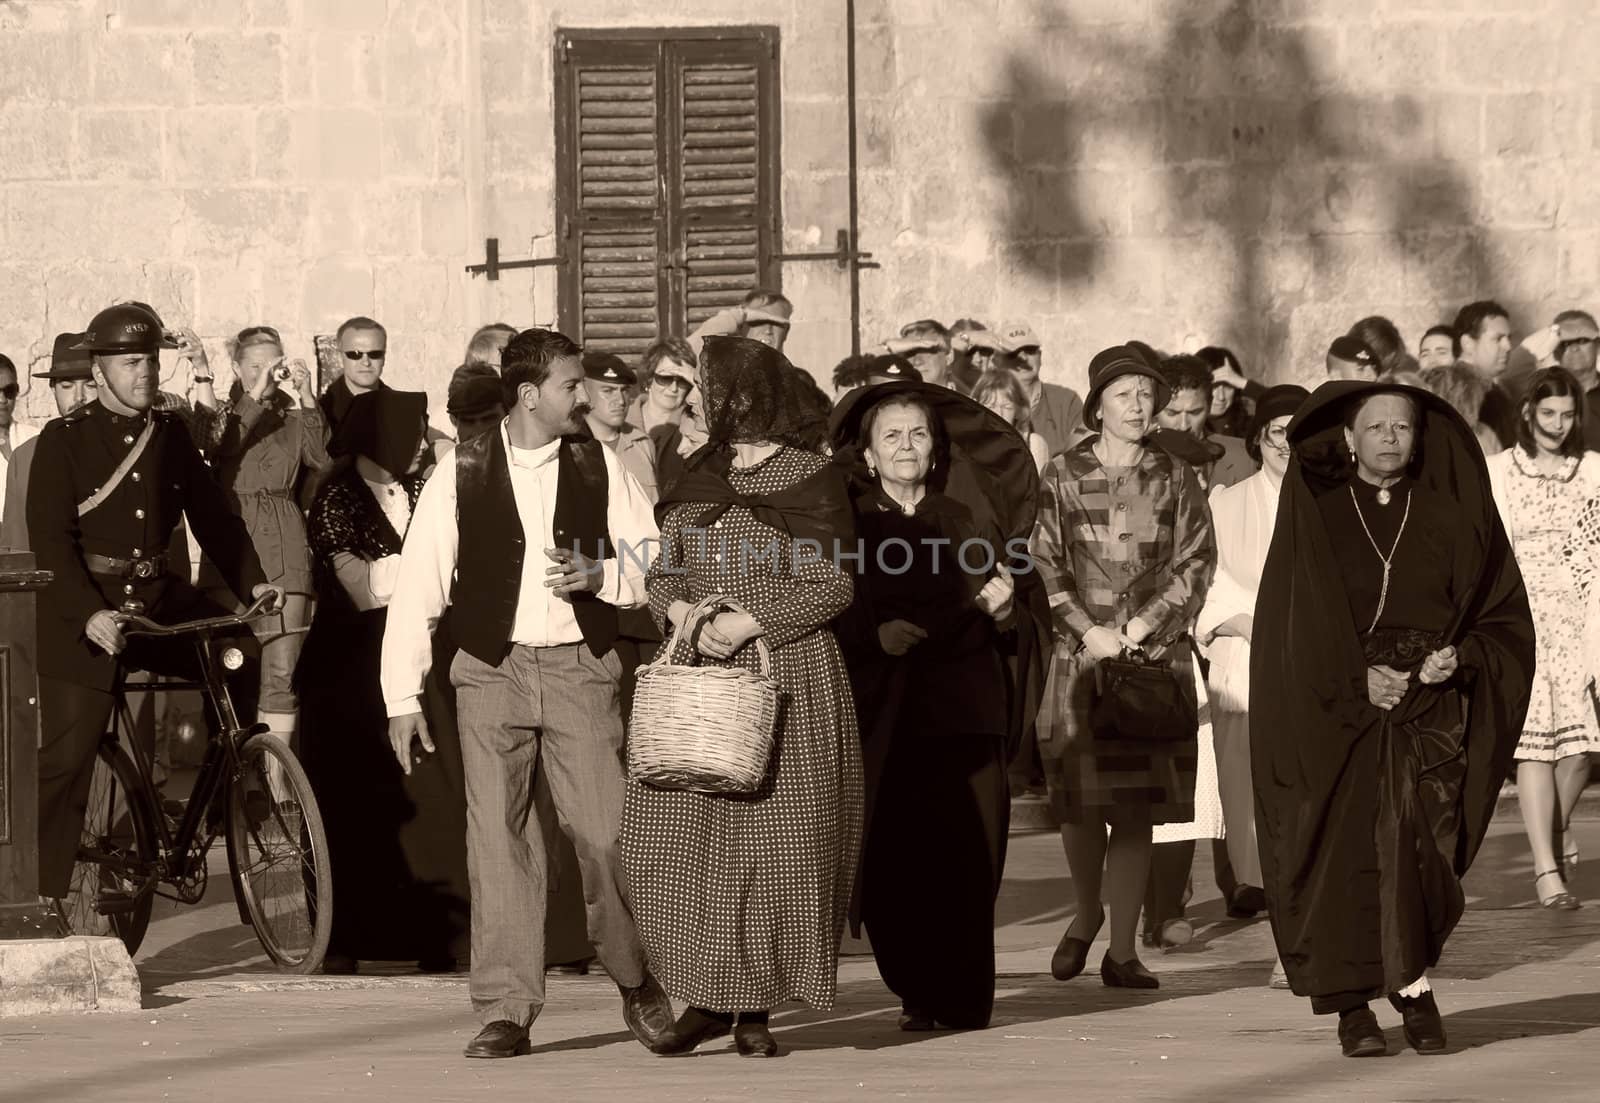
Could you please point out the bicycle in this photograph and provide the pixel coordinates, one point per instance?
(250, 787)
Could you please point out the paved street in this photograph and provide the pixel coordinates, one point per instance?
(1520, 988)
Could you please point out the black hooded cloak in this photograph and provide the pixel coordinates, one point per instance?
(1368, 819)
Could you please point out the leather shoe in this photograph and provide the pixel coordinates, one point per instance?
(1072, 954)
(754, 1040)
(500, 1039)
(647, 1011)
(915, 1020)
(1126, 974)
(693, 1027)
(1424, 1028)
(1360, 1035)
(1247, 902)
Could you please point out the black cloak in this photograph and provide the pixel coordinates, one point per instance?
(1321, 752)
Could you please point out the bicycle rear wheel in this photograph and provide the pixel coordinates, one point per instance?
(279, 853)
(108, 894)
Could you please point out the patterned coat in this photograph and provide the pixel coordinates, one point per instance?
(1112, 544)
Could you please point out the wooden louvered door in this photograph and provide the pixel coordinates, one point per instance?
(667, 170)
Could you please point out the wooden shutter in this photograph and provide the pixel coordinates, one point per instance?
(667, 179)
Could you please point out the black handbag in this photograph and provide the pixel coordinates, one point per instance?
(1138, 699)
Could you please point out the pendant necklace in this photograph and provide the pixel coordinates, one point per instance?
(1386, 560)
(1384, 497)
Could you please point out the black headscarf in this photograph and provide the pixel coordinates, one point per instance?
(384, 425)
(1316, 740)
(749, 393)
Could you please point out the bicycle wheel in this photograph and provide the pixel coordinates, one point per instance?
(118, 842)
(279, 853)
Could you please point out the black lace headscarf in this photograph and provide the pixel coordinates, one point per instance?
(384, 425)
(748, 393)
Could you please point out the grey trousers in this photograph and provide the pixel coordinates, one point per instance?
(555, 709)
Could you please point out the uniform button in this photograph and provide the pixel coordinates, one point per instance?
(128, 439)
(139, 513)
(135, 476)
(127, 587)
(1122, 507)
(137, 552)
(1125, 537)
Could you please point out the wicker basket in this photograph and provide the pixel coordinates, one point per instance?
(705, 729)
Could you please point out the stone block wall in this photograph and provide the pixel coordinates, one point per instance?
(1258, 173)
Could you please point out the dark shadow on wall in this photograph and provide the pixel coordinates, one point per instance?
(1315, 198)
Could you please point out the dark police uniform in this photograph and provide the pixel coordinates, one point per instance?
(116, 554)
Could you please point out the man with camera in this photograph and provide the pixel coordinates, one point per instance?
(110, 482)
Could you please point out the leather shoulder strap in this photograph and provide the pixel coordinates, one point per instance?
(122, 470)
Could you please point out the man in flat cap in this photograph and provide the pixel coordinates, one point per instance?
(109, 484)
(1350, 359)
(475, 400)
(926, 343)
(14, 433)
(72, 386)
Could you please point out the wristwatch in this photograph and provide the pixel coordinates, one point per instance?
(205, 379)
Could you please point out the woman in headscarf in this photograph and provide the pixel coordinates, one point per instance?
(1391, 659)
(1242, 517)
(1123, 545)
(945, 495)
(741, 900)
(396, 842)
(1231, 401)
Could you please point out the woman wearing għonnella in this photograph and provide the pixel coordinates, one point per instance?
(1391, 665)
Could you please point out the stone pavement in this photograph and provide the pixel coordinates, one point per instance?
(1520, 988)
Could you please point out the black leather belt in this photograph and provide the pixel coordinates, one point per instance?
(136, 570)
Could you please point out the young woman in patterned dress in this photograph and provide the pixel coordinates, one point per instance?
(1540, 483)
(741, 900)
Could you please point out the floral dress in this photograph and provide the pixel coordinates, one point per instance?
(1537, 511)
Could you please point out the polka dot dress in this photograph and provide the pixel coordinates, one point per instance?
(741, 901)
(1561, 716)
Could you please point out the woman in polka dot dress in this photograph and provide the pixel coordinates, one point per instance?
(1540, 484)
(741, 900)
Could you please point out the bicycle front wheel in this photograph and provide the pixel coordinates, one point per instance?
(279, 853)
(110, 894)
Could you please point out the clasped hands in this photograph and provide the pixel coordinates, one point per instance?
(1104, 642)
(1387, 687)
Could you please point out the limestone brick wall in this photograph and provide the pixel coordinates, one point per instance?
(1251, 172)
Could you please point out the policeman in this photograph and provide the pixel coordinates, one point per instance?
(609, 383)
(110, 482)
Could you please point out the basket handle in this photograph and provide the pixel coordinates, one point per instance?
(695, 620)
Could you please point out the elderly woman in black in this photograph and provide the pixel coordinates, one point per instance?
(1124, 548)
(1391, 663)
(924, 637)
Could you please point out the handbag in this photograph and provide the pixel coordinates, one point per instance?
(1138, 699)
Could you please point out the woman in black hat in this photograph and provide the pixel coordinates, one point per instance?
(1123, 545)
(396, 842)
(1242, 517)
(940, 486)
(1391, 662)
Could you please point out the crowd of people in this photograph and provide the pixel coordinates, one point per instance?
(1317, 629)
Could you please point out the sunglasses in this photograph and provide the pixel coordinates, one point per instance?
(1574, 343)
(675, 381)
(373, 354)
(9, 392)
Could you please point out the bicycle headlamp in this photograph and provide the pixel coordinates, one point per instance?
(233, 658)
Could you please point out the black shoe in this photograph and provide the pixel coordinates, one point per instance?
(1360, 1035)
(1126, 974)
(647, 1011)
(694, 1026)
(753, 1039)
(500, 1039)
(339, 965)
(1424, 1028)
(1247, 902)
(915, 1020)
(1072, 954)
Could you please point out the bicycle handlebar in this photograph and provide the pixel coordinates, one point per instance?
(134, 625)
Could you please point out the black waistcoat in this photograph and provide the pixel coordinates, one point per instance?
(492, 546)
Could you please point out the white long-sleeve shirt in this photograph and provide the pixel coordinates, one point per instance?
(543, 619)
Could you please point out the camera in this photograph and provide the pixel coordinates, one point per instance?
(283, 373)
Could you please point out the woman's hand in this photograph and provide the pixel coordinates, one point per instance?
(896, 637)
(724, 634)
(1106, 643)
(677, 612)
(996, 596)
(300, 376)
(1438, 667)
(1241, 625)
(1386, 686)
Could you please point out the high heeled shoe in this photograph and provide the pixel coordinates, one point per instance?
(693, 1027)
(1072, 954)
(752, 1038)
(1563, 900)
(1569, 856)
(1126, 974)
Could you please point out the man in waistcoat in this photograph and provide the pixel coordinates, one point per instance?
(534, 534)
